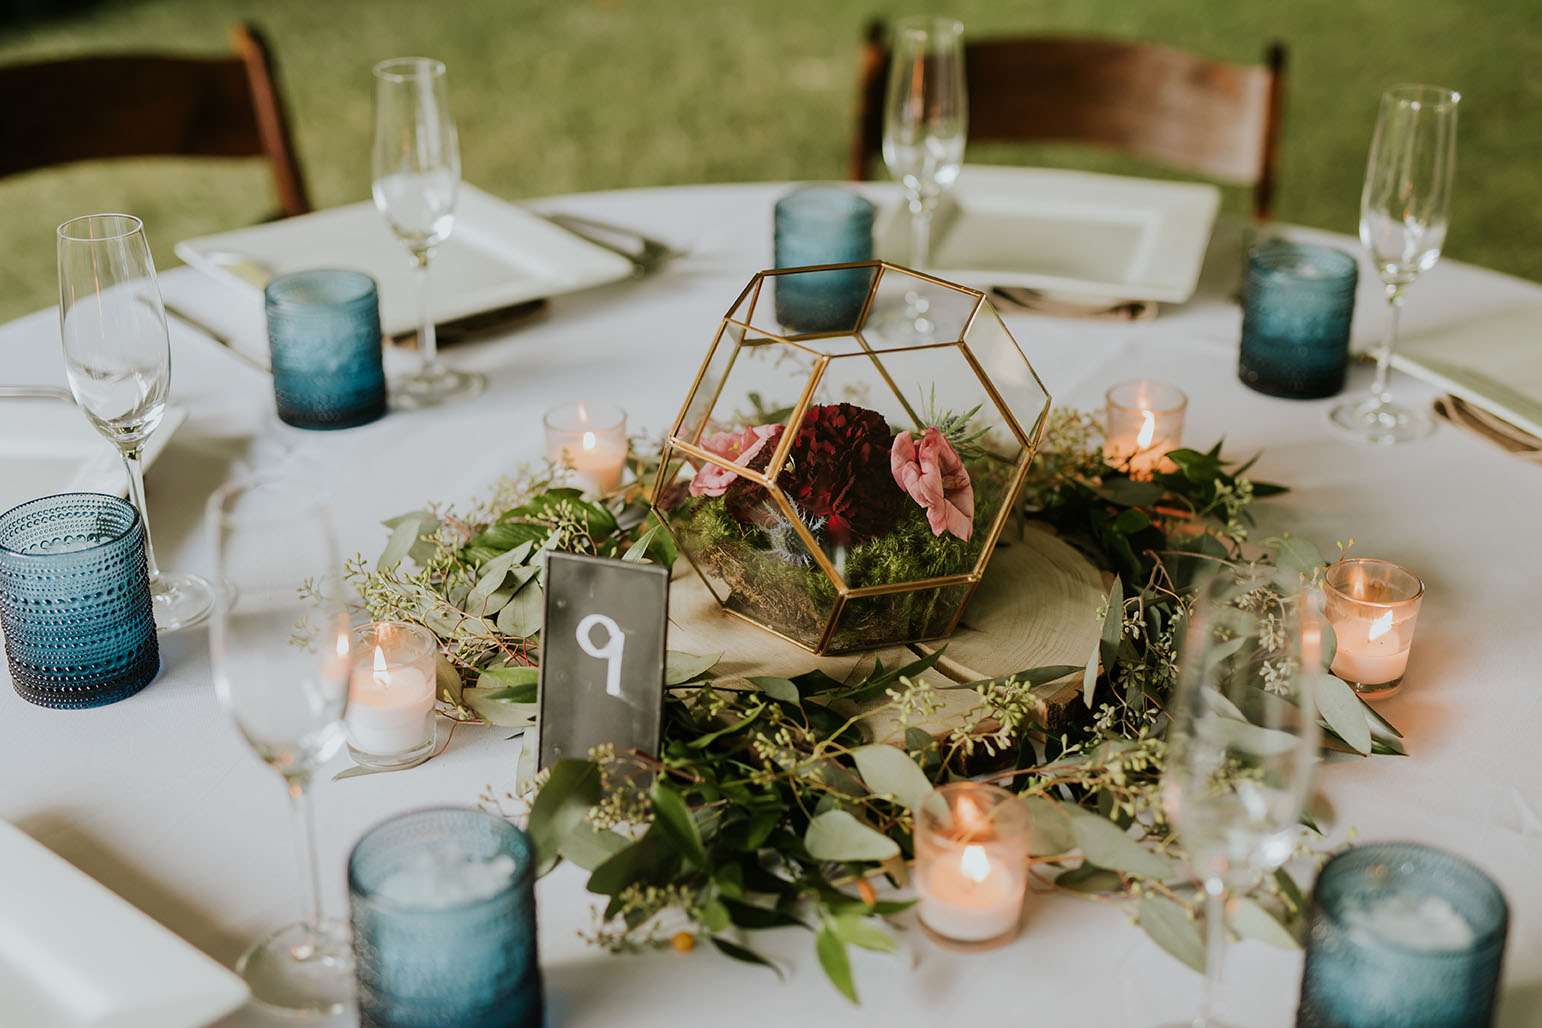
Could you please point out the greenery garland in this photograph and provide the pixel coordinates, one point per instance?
(766, 806)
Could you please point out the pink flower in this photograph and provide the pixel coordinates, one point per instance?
(736, 447)
(935, 477)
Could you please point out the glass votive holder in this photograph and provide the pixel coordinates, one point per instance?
(443, 913)
(1401, 934)
(1373, 606)
(1143, 420)
(325, 343)
(75, 600)
(822, 225)
(589, 438)
(390, 719)
(971, 845)
(1296, 309)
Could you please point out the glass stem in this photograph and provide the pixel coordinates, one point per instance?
(1215, 947)
(1388, 343)
(920, 234)
(428, 343)
(133, 462)
(305, 850)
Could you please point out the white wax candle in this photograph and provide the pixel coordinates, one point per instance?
(597, 460)
(970, 895)
(390, 710)
(1371, 651)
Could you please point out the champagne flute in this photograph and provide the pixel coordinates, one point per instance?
(1243, 739)
(280, 646)
(117, 358)
(925, 119)
(416, 162)
(1405, 209)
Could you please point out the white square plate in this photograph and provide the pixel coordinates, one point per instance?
(75, 955)
(1491, 362)
(47, 446)
(497, 254)
(1066, 232)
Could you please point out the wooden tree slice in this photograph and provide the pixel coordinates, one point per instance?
(1036, 606)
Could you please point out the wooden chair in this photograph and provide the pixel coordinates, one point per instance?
(1210, 118)
(108, 106)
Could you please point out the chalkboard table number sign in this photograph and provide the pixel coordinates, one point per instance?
(602, 656)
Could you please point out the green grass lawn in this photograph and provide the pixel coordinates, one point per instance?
(593, 94)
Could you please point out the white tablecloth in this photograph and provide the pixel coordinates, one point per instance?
(158, 798)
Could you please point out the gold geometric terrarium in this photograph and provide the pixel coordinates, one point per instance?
(900, 417)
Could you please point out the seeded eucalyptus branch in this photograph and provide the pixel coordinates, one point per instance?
(769, 806)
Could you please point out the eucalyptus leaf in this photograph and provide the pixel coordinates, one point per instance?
(888, 769)
(637, 553)
(1251, 920)
(833, 958)
(490, 579)
(1343, 711)
(674, 819)
(522, 680)
(1090, 880)
(681, 667)
(836, 835)
(860, 930)
(1113, 625)
(743, 954)
(777, 688)
(1090, 675)
(1253, 740)
(504, 713)
(588, 847)
(359, 769)
(1049, 828)
(1296, 554)
(1330, 642)
(405, 532)
(447, 680)
(1105, 844)
(524, 767)
(572, 787)
(1170, 927)
(522, 616)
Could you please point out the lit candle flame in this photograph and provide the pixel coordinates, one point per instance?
(342, 645)
(975, 864)
(1147, 429)
(1380, 626)
(588, 440)
(381, 678)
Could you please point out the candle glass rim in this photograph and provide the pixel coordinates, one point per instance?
(1402, 853)
(1341, 264)
(1181, 403)
(1336, 590)
(618, 425)
(1006, 815)
(521, 878)
(62, 500)
(425, 643)
(273, 300)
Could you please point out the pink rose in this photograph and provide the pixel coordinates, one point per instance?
(935, 477)
(735, 447)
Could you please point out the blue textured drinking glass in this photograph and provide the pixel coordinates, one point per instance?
(1296, 310)
(444, 922)
(324, 338)
(822, 225)
(1405, 935)
(75, 600)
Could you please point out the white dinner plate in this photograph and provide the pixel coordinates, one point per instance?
(1491, 362)
(497, 254)
(47, 446)
(75, 955)
(1066, 232)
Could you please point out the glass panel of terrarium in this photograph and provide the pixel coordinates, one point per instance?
(814, 302)
(704, 394)
(679, 509)
(1004, 364)
(910, 616)
(909, 309)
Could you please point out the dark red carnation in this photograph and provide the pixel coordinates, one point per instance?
(837, 471)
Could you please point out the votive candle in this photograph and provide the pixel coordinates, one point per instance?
(591, 440)
(1144, 419)
(971, 864)
(1373, 606)
(390, 719)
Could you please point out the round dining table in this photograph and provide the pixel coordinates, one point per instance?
(158, 798)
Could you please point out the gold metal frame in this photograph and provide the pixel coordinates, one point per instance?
(739, 330)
